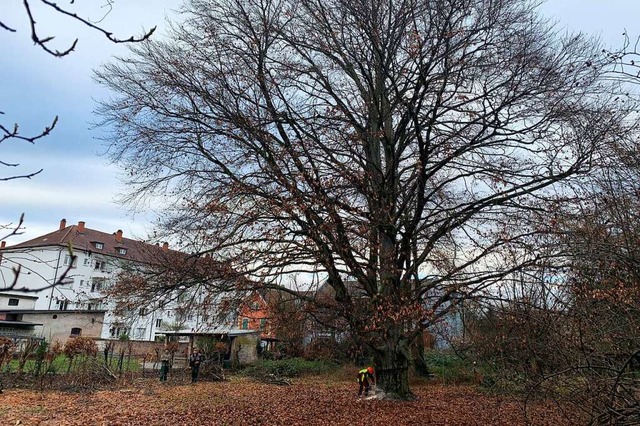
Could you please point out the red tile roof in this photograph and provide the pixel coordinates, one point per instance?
(85, 240)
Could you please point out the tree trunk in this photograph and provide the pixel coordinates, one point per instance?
(419, 364)
(392, 369)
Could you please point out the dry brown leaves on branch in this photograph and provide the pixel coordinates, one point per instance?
(241, 402)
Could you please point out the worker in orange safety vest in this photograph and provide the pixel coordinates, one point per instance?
(365, 378)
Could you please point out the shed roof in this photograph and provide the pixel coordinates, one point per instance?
(221, 331)
(18, 324)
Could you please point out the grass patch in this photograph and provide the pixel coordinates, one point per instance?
(449, 367)
(290, 367)
(60, 364)
(133, 365)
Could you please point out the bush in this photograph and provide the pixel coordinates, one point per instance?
(449, 367)
(290, 367)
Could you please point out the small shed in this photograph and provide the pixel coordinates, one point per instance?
(242, 345)
(17, 329)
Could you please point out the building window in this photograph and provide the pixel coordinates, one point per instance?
(67, 260)
(94, 305)
(263, 322)
(245, 324)
(86, 261)
(97, 283)
(159, 323)
(76, 331)
(118, 331)
(63, 305)
(100, 265)
(255, 306)
(98, 245)
(142, 312)
(14, 302)
(121, 250)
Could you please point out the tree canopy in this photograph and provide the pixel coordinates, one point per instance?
(397, 147)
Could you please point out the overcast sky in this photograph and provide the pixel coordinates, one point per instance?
(77, 183)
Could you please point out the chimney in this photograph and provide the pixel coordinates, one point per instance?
(63, 224)
(119, 236)
(165, 247)
(81, 226)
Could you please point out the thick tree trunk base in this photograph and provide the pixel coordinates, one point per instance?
(395, 386)
(392, 360)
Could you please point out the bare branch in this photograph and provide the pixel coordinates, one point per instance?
(42, 41)
(13, 229)
(399, 152)
(16, 271)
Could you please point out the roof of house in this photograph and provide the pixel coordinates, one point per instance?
(353, 288)
(53, 311)
(210, 332)
(18, 294)
(18, 324)
(80, 237)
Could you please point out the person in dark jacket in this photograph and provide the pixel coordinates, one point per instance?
(165, 359)
(365, 378)
(195, 360)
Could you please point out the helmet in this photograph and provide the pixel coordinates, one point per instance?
(370, 370)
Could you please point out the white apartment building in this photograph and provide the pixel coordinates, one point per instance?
(81, 284)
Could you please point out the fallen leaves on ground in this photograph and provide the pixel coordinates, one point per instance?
(306, 402)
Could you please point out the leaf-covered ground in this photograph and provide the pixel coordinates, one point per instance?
(243, 402)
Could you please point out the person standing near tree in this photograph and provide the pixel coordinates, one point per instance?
(164, 365)
(365, 378)
(195, 360)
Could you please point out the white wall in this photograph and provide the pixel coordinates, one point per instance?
(38, 268)
(41, 267)
(23, 302)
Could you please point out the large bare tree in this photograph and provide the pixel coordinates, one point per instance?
(394, 147)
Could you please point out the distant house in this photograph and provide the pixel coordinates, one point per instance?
(82, 263)
(276, 314)
(254, 314)
(17, 300)
(67, 274)
(12, 324)
(19, 318)
(322, 323)
(241, 345)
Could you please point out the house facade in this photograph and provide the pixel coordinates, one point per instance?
(60, 290)
(60, 279)
(254, 315)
